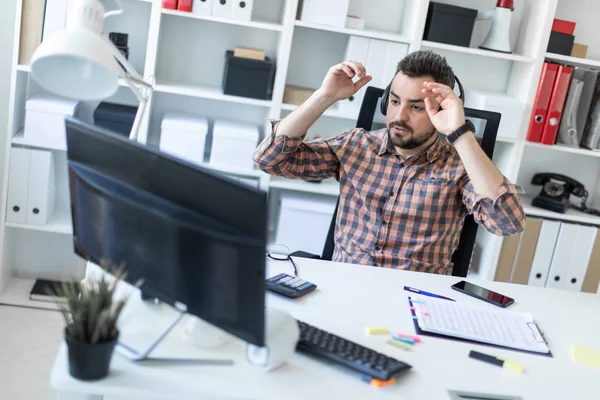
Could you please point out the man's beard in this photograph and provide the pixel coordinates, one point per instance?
(408, 140)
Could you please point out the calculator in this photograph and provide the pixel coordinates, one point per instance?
(289, 286)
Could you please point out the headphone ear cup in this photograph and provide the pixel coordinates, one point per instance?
(384, 100)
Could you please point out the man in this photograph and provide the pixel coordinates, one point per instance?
(404, 192)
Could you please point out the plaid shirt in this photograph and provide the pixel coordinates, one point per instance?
(393, 213)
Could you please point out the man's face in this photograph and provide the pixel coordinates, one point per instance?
(407, 121)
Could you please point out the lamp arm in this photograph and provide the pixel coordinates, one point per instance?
(140, 87)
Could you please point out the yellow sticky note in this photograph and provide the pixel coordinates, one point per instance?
(586, 356)
(376, 331)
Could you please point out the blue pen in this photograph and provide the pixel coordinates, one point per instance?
(424, 293)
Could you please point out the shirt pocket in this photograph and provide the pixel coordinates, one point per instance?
(431, 194)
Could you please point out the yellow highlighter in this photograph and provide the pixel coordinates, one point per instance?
(506, 364)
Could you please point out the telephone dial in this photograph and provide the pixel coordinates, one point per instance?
(556, 191)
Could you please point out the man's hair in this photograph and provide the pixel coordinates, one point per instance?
(427, 63)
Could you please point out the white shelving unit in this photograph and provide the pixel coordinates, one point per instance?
(185, 54)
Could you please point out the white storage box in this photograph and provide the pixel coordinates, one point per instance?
(304, 221)
(326, 12)
(510, 108)
(45, 120)
(233, 144)
(184, 136)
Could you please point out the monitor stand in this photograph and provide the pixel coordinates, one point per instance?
(133, 355)
(204, 335)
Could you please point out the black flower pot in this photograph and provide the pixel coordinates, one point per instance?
(89, 361)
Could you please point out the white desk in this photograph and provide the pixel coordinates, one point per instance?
(349, 298)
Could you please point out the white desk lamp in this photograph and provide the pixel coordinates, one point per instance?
(80, 63)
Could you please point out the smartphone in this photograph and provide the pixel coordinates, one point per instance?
(483, 294)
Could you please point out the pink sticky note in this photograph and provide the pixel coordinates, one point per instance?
(415, 338)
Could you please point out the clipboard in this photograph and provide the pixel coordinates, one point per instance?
(420, 331)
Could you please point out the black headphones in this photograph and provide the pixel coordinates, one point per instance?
(386, 95)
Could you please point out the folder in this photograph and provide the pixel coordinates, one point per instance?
(543, 253)
(242, 10)
(506, 260)
(222, 8)
(41, 184)
(582, 252)
(591, 281)
(591, 131)
(32, 21)
(527, 246)
(18, 178)
(203, 7)
(55, 17)
(563, 251)
(357, 50)
(395, 52)
(557, 103)
(589, 77)
(377, 53)
(542, 101)
(569, 133)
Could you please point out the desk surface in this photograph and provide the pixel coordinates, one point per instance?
(348, 298)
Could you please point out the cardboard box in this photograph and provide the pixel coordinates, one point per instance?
(296, 94)
(246, 52)
(563, 26)
(579, 50)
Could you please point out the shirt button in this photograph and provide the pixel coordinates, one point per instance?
(377, 248)
(391, 193)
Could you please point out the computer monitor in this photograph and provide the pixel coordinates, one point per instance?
(195, 238)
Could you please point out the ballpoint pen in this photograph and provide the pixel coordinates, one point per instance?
(424, 293)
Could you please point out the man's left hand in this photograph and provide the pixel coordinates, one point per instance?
(447, 112)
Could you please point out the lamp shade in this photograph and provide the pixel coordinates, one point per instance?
(76, 63)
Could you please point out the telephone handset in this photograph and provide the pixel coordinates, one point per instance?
(556, 191)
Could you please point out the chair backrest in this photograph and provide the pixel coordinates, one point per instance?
(486, 126)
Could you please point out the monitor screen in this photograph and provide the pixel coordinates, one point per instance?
(196, 238)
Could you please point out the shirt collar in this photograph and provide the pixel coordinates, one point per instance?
(431, 153)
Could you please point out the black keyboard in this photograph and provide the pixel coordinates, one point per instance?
(321, 343)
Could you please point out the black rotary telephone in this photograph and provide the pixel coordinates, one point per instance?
(556, 191)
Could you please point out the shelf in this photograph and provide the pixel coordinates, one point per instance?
(250, 24)
(570, 216)
(59, 222)
(328, 187)
(583, 62)
(331, 112)
(19, 139)
(476, 51)
(507, 140)
(27, 68)
(392, 37)
(564, 149)
(209, 92)
(16, 293)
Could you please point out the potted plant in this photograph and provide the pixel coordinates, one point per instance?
(91, 312)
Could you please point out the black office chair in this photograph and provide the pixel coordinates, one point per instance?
(486, 126)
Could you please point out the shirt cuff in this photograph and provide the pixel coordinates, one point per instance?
(288, 144)
(505, 188)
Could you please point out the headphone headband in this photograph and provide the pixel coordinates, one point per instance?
(386, 95)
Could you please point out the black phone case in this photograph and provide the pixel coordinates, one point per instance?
(481, 298)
